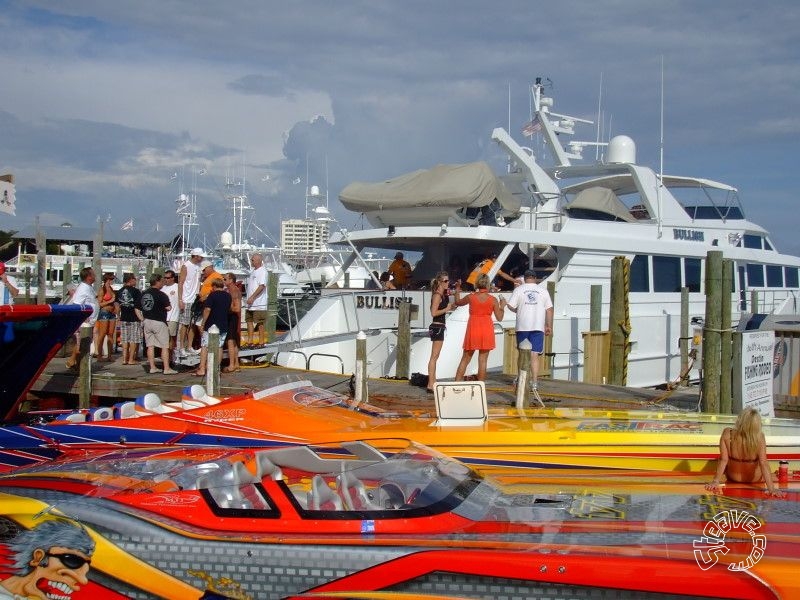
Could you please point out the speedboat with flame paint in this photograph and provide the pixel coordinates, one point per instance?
(297, 412)
(351, 521)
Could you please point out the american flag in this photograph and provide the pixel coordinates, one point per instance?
(532, 127)
(127, 225)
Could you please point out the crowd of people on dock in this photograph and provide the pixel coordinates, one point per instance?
(174, 314)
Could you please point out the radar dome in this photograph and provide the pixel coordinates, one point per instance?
(226, 240)
(315, 190)
(621, 149)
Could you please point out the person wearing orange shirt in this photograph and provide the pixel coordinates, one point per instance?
(483, 268)
(400, 270)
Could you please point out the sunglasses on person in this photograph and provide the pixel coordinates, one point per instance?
(71, 561)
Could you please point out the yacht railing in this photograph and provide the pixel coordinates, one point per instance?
(766, 301)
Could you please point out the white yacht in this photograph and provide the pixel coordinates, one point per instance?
(568, 220)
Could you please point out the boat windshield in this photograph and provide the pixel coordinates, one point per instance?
(414, 479)
(352, 476)
(707, 201)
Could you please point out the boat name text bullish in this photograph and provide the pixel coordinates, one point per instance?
(380, 302)
(691, 235)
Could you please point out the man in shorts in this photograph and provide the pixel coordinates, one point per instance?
(216, 307)
(170, 288)
(155, 305)
(129, 309)
(256, 301)
(188, 288)
(534, 309)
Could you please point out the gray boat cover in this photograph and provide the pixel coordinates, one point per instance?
(443, 186)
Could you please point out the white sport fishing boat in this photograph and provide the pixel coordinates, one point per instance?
(568, 221)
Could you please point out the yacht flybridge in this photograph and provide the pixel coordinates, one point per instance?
(567, 221)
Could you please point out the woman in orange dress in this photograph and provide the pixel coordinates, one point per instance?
(743, 454)
(480, 328)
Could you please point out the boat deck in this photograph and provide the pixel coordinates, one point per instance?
(114, 382)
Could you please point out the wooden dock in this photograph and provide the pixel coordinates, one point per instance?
(113, 382)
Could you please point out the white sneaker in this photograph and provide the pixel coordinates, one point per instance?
(181, 353)
(194, 352)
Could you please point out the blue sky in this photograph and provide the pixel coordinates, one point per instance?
(103, 101)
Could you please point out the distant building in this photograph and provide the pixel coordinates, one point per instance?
(300, 237)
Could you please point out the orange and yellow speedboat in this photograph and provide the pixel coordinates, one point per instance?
(299, 413)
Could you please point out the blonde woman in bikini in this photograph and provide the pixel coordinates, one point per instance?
(743, 454)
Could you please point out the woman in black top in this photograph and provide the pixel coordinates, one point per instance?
(440, 306)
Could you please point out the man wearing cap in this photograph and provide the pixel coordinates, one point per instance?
(8, 286)
(207, 278)
(400, 270)
(534, 309)
(188, 287)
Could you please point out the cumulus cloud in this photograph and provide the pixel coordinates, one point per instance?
(104, 100)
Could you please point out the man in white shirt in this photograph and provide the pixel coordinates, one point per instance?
(534, 309)
(84, 294)
(8, 286)
(256, 300)
(188, 287)
(170, 288)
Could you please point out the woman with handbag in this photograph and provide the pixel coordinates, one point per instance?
(440, 306)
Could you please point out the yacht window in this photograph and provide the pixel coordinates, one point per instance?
(752, 241)
(774, 276)
(666, 274)
(790, 275)
(691, 273)
(640, 274)
(767, 245)
(755, 275)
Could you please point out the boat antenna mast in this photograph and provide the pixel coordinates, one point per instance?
(661, 152)
(239, 205)
(551, 129)
(186, 210)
